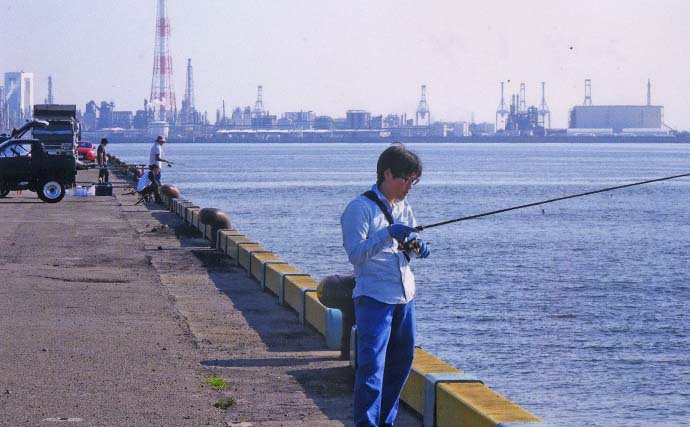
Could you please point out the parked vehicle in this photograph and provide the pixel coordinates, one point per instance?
(86, 151)
(25, 164)
(63, 132)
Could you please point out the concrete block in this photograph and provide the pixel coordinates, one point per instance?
(232, 248)
(244, 254)
(424, 363)
(221, 242)
(265, 264)
(430, 387)
(292, 289)
(257, 261)
(285, 283)
(274, 276)
(474, 404)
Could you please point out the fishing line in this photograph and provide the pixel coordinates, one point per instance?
(588, 193)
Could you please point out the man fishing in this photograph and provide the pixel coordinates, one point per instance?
(378, 229)
(156, 155)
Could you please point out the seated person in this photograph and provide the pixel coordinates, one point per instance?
(149, 183)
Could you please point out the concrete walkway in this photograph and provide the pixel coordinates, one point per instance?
(115, 314)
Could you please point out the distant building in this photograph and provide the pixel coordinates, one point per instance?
(19, 97)
(264, 121)
(324, 123)
(461, 129)
(523, 120)
(3, 109)
(484, 128)
(140, 120)
(617, 117)
(241, 119)
(105, 115)
(357, 119)
(392, 121)
(90, 117)
(439, 129)
(122, 119)
(376, 122)
(283, 123)
(297, 120)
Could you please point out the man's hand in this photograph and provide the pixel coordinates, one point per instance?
(423, 250)
(400, 231)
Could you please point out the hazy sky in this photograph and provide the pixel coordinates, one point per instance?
(331, 56)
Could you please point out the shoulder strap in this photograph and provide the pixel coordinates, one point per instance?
(374, 198)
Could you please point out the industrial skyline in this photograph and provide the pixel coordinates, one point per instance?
(324, 57)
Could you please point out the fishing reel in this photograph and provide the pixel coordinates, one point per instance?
(409, 245)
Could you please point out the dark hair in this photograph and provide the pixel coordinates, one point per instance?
(154, 166)
(402, 163)
(104, 141)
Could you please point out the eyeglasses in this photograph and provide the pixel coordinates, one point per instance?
(410, 180)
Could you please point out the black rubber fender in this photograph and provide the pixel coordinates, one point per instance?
(336, 292)
(170, 191)
(217, 219)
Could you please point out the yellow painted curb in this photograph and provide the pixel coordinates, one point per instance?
(273, 275)
(474, 404)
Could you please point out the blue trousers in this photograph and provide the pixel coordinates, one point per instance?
(385, 349)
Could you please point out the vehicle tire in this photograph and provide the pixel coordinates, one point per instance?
(51, 191)
(4, 193)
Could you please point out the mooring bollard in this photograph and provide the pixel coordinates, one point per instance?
(215, 218)
(336, 292)
(170, 191)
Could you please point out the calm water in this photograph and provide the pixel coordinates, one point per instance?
(580, 312)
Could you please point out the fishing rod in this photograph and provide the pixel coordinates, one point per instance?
(170, 162)
(588, 193)
(114, 167)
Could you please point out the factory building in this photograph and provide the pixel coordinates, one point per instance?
(357, 119)
(482, 129)
(617, 117)
(123, 119)
(393, 121)
(376, 122)
(461, 129)
(324, 123)
(140, 120)
(241, 118)
(265, 121)
(19, 96)
(3, 109)
(296, 120)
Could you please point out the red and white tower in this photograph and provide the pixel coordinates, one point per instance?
(162, 100)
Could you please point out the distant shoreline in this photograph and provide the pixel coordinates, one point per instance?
(494, 139)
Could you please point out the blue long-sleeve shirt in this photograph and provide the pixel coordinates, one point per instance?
(381, 271)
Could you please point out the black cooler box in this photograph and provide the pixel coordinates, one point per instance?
(104, 189)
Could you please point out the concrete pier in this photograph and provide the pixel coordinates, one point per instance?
(115, 314)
